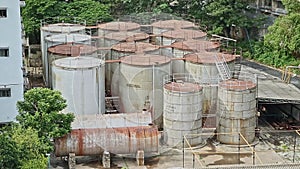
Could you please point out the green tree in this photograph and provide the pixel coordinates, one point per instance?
(292, 6)
(21, 148)
(40, 110)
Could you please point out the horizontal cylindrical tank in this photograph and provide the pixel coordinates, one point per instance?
(68, 50)
(93, 141)
(181, 48)
(59, 39)
(105, 28)
(168, 37)
(140, 84)
(202, 66)
(182, 111)
(166, 25)
(81, 82)
(236, 110)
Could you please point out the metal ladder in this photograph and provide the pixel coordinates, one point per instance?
(237, 67)
(222, 68)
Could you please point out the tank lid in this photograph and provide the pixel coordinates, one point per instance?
(183, 87)
(126, 36)
(237, 84)
(173, 24)
(185, 34)
(145, 59)
(132, 47)
(119, 26)
(195, 45)
(68, 38)
(63, 27)
(78, 62)
(72, 49)
(208, 57)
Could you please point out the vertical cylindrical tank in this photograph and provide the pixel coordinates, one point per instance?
(68, 50)
(202, 66)
(141, 84)
(181, 48)
(182, 111)
(124, 49)
(81, 82)
(58, 39)
(236, 110)
(168, 37)
(105, 28)
(166, 25)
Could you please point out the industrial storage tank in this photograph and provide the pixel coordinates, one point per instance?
(140, 84)
(166, 25)
(113, 38)
(68, 50)
(181, 48)
(182, 111)
(58, 39)
(105, 28)
(119, 140)
(81, 82)
(237, 109)
(203, 67)
(168, 37)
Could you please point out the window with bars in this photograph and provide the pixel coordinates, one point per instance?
(4, 52)
(5, 92)
(3, 13)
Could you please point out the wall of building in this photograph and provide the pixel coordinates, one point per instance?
(11, 76)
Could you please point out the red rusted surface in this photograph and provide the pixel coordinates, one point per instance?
(238, 85)
(145, 59)
(182, 87)
(134, 47)
(173, 24)
(127, 36)
(209, 57)
(125, 140)
(72, 49)
(196, 45)
(119, 26)
(112, 61)
(185, 34)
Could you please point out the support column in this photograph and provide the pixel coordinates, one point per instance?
(71, 161)
(140, 157)
(106, 159)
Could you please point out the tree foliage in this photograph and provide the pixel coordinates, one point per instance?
(37, 10)
(40, 110)
(21, 148)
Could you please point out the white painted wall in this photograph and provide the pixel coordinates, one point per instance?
(10, 67)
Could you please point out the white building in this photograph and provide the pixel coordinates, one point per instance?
(11, 75)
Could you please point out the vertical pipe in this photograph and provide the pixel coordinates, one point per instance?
(193, 160)
(183, 152)
(295, 142)
(239, 148)
(253, 155)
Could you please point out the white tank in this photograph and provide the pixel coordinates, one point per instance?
(56, 29)
(166, 25)
(236, 110)
(58, 39)
(68, 50)
(181, 48)
(106, 28)
(182, 111)
(81, 82)
(202, 66)
(168, 37)
(140, 84)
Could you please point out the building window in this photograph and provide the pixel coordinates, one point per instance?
(5, 92)
(3, 13)
(4, 52)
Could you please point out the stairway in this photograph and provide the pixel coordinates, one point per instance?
(237, 67)
(222, 67)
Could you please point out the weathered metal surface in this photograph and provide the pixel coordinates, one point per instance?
(123, 140)
(166, 25)
(109, 27)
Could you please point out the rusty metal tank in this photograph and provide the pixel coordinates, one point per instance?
(236, 111)
(166, 25)
(182, 110)
(202, 66)
(122, 140)
(109, 27)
